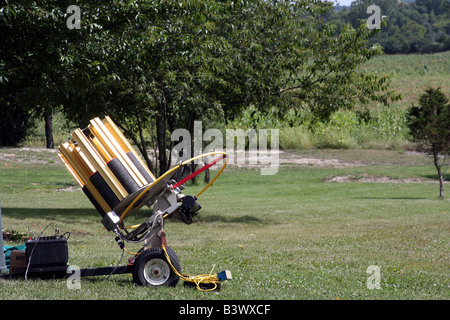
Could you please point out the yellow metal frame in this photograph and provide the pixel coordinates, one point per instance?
(81, 171)
(113, 148)
(124, 144)
(87, 154)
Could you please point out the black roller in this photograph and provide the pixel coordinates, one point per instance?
(139, 166)
(94, 201)
(123, 175)
(104, 190)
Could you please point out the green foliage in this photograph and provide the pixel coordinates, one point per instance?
(32, 41)
(15, 123)
(429, 123)
(430, 128)
(421, 26)
(380, 127)
(161, 65)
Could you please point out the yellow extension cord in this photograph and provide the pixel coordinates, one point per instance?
(203, 278)
(200, 279)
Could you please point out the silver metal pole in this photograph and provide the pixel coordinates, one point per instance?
(3, 268)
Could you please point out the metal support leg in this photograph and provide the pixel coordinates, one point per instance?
(156, 235)
(3, 267)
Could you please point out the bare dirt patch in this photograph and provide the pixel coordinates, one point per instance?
(69, 189)
(28, 155)
(372, 179)
(253, 159)
(289, 158)
(80, 233)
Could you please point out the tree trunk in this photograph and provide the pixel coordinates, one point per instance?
(140, 143)
(143, 147)
(161, 134)
(193, 165)
(438, 167)
(207, 176)
(48, 117)
(162, 146)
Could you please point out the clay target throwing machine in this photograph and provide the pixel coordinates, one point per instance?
(118, 183)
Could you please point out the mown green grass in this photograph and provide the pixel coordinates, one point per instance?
(286, 236)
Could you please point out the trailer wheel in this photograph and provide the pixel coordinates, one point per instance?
(151, 268)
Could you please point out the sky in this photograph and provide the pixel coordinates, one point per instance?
(345, 2)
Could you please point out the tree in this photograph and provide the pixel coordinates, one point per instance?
(15, 123)
(31, 42)
(419, 26)
(429, 125)
(161, 65)
(155, 66)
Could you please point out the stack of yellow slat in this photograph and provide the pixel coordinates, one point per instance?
(104, 164)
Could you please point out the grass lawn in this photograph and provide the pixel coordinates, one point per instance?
(287, 236)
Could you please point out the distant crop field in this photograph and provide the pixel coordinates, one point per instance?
(413, 73)
(372, 126)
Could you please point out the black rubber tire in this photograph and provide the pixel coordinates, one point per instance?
(161, 274)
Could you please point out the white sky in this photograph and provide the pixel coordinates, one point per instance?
(344, 2)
